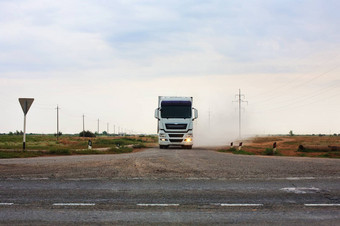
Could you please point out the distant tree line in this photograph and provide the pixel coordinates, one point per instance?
(81, 134)
(320, 135)
(16, 133)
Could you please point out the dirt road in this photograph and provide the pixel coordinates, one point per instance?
(157, 163)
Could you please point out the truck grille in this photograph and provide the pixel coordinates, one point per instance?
(176, 135)
(175, 126)
(176, 140)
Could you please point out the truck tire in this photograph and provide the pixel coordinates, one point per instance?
(163, 146)
(187, 146)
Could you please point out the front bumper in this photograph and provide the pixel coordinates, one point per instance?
(186, 141)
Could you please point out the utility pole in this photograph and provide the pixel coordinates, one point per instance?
(57, 123)
(209, 118)
(98, 127)
(114, 129)
(83, 125)
(240, 98)
(107, 129)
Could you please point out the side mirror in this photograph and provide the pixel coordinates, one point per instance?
(195, 114)
(157, 113)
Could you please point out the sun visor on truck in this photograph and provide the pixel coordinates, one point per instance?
(176, 103)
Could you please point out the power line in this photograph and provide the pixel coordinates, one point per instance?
(280, 86)
(303, 83)
(301, 101)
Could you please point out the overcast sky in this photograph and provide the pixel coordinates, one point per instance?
(110, 60)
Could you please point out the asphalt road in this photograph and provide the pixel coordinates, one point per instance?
(170, 187)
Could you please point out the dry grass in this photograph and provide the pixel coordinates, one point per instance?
(288, 145)
(44, 145)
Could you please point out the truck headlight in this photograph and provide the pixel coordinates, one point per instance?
(162, 135)
(188, 137)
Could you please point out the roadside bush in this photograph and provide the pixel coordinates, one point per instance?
(59, 134)
(87, 134)
(301, 148)
(270, 151)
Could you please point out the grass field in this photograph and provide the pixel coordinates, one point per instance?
(47, 145)
(289, 146)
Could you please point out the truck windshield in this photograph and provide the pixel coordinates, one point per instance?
(176, 109)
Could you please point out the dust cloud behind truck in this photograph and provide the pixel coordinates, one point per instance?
(175, 117)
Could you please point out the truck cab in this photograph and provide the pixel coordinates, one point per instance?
(175, 116)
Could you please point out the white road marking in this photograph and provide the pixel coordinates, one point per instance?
(301, 190)
(300, 178)
(34, 178)
(237, 204)
(85, 179)
(321, 205)
(157, 204)
(197, 178)
(175, 204)
(74, 204)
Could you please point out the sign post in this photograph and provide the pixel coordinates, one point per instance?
(25, 105)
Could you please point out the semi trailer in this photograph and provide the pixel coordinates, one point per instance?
(175, 116)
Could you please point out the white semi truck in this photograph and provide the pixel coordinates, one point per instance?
(175, 117)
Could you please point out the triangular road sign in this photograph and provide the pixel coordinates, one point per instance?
(26, 104)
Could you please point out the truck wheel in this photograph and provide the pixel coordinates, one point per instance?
(163, 146)
(187, 146)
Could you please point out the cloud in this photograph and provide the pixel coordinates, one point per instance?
(111, 59)
(85, 35)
